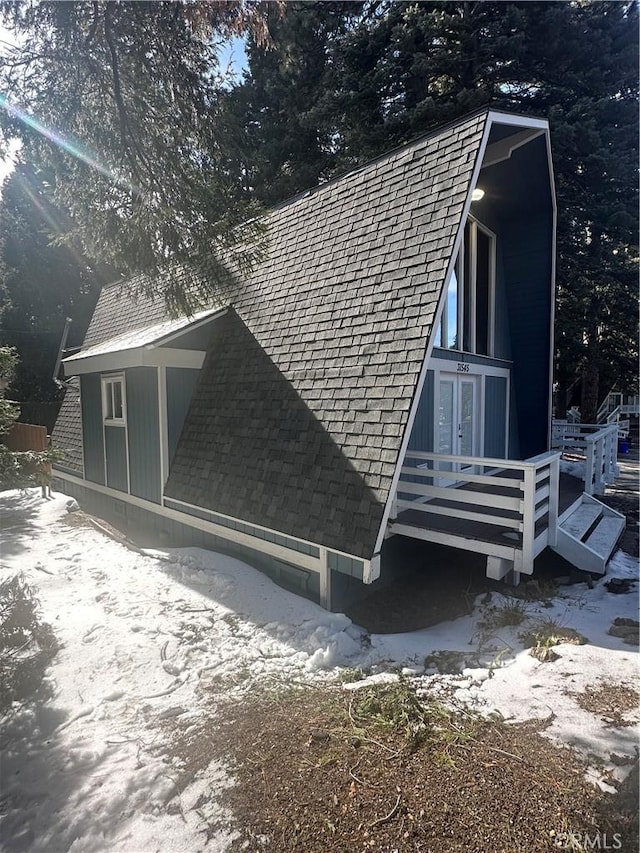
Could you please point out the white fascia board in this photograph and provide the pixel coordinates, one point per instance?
(504, 148)
(552, 321)
(137, 357)
(261, 545)
(212, 315)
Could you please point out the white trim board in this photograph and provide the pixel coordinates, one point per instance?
(137, 357)
(296, 558)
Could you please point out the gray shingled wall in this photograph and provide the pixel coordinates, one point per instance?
(298, 418)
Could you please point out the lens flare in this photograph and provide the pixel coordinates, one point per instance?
(64, 143)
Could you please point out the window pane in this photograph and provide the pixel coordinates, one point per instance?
(466, 418)
(437, 340)
(108, 400)
(482, 292)
(445, 418)
(466, 290)
(117, 399)
(451, 310)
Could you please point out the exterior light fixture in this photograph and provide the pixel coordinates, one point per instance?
(477, 194)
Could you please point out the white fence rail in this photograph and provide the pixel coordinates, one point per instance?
(506, 493)
(597, 443)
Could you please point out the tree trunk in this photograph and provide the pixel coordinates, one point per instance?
(590, 390)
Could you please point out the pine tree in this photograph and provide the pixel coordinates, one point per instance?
(400, 69)
(278, 115)
(41, 284)
(118, 102)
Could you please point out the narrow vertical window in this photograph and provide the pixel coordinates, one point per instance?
(483, 285)
(113, 406)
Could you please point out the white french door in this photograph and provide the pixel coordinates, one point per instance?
(458, 417)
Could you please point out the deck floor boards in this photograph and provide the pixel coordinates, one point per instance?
(571, 489)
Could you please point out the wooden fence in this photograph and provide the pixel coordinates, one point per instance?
(23, 437)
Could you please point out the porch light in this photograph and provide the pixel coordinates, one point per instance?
(477, 194)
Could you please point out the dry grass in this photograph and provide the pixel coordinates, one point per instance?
(328, 770)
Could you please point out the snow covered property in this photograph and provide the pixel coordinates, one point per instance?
(386, 371)
(173, 636)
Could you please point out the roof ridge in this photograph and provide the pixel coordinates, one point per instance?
(422, 137)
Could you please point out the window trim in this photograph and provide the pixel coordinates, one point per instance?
(108, 381)
(466, 287)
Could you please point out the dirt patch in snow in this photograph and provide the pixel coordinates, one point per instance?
(384, 768)
(609, 701)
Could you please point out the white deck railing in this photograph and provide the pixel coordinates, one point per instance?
(505, 493)
(597, 443)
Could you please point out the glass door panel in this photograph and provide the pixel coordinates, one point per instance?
(467, 418)
(446, 417)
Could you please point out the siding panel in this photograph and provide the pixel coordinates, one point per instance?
(116, 449)
(495, 412)
(144, 433)
(422, 432)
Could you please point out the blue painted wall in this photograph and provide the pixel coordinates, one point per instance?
(527, 265)
(181, 383)
(92, 436)
(116, 450)
(495, 408)
(518, 192)
(144, 433)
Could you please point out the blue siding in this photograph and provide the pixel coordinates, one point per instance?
(519, 192)
(181, 383)
(116, 449)
(92, 436)
(144, 433)
(528, 269)
(345, 565)
(495, 411)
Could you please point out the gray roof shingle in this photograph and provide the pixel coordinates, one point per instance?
(67, 433)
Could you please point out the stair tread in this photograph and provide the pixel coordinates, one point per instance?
(605, 536)
(582, 519)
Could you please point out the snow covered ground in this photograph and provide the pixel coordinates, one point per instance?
(146, 637)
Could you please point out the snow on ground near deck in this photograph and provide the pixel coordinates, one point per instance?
(145, 636)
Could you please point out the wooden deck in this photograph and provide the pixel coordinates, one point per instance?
(570, 491)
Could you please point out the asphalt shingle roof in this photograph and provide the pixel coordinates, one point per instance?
(302, 404)
(67, 433)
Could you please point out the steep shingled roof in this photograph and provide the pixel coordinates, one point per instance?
(299, 415)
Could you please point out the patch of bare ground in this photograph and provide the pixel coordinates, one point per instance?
(329, 770)
(610, 701)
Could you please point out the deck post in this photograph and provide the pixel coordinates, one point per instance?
(528, 519)
(393, 512)
(589, 475)
(325, 580)
(554, 499)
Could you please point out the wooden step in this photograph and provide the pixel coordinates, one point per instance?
(605, 536)
(582, 520)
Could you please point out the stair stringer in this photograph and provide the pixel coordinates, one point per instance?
(578, 552)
